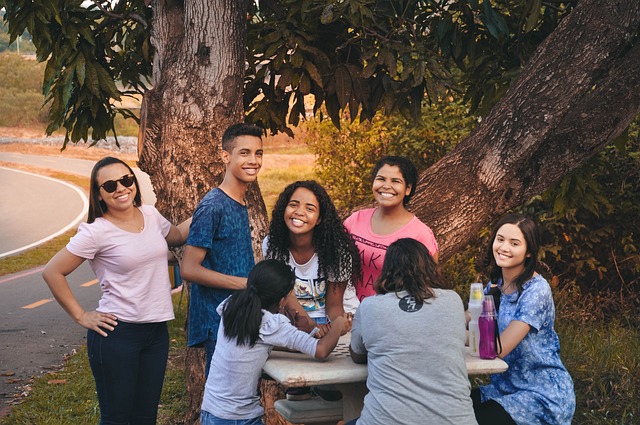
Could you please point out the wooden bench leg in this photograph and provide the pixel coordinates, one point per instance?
(270, 392)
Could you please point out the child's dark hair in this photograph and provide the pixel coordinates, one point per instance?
(337, 253)
(409, 266)
(269, 281)
(531, 238)
(407, 169)
(237, 130)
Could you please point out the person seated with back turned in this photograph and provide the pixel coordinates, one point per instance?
(412, 337)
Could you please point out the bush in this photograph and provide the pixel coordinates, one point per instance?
(590, 221)
(345, 157)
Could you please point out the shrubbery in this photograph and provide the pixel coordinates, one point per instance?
(589, 219)
(346, 157)
(591, 246)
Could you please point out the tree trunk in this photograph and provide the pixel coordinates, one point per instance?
(197, 93)
(577, 93)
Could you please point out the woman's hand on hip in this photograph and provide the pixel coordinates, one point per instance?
(97, 321)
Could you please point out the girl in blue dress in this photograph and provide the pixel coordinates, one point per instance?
(536, 389)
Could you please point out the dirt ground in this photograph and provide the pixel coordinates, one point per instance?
(21, 132)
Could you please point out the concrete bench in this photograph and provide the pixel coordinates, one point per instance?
(312, 411)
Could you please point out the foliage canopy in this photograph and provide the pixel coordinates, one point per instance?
(88, 48)
(360, 56)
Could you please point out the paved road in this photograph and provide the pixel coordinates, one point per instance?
(34, 209)
(81, 167)
(35, 332)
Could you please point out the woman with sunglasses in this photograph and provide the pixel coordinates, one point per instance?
(126, 244)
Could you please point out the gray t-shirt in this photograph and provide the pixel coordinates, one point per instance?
(417, 372)
(231, 391)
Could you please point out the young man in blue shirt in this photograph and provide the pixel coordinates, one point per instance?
(218, 255)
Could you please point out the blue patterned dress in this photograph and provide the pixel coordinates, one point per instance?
(536, 389)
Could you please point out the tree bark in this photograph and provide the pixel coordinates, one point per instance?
(577, 93)
(197, 93)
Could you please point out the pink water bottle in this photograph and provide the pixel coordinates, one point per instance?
(487, 324)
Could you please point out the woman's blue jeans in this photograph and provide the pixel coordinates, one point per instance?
(128, 366)
(207, 418)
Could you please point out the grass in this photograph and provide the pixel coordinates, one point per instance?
(35, 257)
(68, 397)
(604, 361)
(274, 180)
(600, 346)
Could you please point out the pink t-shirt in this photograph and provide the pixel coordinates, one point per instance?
(131, 268)
(373, 247)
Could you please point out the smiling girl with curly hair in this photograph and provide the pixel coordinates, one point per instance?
(307, 233)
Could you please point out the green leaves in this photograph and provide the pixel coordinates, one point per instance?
(531, 14)
(349, 153)
(493, 20)
(362, 57)
(86, 53)
(355, 56)
(591, 217)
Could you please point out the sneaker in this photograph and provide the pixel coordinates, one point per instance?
(297, 394)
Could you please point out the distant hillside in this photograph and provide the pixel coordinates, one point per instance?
(21, 96)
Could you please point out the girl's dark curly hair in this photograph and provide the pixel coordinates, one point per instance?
(337, 253)
(409, 266)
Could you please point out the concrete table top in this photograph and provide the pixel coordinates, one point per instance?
(299, 370)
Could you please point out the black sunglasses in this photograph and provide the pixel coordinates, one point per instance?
(110, 186)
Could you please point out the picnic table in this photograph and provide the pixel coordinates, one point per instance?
(300, 370)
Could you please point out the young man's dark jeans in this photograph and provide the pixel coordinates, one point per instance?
(128, 367)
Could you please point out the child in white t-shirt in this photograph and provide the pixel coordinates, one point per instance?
(250, 327)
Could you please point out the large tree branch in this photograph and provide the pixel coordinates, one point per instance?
(578, 92)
